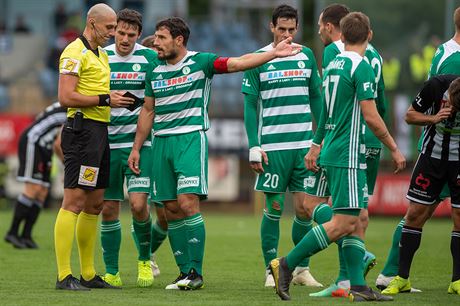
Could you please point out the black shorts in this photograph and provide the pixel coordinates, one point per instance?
(34, 162)
(86, 155)
(429, 177)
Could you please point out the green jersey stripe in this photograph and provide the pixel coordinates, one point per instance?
(286, 128)
(284, 92)
(286, 110)
(183, 97)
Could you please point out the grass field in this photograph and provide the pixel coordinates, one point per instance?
(233, 268)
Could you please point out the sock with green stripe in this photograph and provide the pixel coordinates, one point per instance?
(353, 252)
(270, 234)
(177, 234)
(343, 273)
(196, 236)
(158, 236)
(300, 227)
(313, 242)
(392, 264)
(322, 213)
(142, 229)
(111, 242)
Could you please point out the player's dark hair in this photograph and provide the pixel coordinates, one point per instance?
(176, 26)
(334, 13)
(131, 17)
(457, 19)
(148, 41)
(355, 28)
(284, 11)
(454, 94)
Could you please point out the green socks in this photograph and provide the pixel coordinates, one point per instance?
(196, 236)
(353, 252)
(142, 230)
(270, 234)
(110, 242)
(177, 233)
(158, 236)
(300, 227)
(313, 242)
(392, 264)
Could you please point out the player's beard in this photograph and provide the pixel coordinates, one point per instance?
(166, 56)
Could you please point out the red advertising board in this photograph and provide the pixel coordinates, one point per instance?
(11, 127)
(390, 197)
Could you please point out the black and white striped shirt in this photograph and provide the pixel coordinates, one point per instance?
(441, 140)
(46, 126)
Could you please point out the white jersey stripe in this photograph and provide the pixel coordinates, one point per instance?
(124, 145)
(183, 97)
(284, 92)
(189, 112)
(122, 129)
(286, 128)
(179, 130)
(286, 145)
(281, 74)
(286, 110)
(135, 59)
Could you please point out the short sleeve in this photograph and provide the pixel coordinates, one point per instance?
(71, 61)
(364, 82)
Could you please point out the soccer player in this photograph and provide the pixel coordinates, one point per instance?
(35, 150)
(329, 32)
(348, 93)
(129, 63)
(445, 61)
(160, 227)
(84, 88)
(280, 97)
(176, 101)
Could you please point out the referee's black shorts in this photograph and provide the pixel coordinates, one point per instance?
(86, 155)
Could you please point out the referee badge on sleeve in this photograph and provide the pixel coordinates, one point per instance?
(69, 66)
(88, 176)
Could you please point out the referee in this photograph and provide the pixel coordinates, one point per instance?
(84, 88)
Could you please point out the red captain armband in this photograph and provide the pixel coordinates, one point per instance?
(220, 64)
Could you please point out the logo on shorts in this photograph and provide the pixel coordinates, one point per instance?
(422, 181)
(185, 182)
(309, 182)
(138, 182)
(88, 176)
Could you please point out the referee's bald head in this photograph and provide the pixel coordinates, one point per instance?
(100, 10)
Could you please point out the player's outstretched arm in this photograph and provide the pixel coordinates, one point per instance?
(378, 127)
(144, 128)
(251, 60)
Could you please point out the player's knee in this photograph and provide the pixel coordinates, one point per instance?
(274, 203)
(417, 215)
(109, 212)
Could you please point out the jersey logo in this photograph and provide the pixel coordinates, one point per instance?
(418, 100)
(301, 64)
(186, 70)
(160, 77)
(246, 83)
(70, 66)
(136, 67)
(88, 176)
(271, 67)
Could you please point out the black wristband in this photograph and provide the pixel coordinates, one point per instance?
(104, 100)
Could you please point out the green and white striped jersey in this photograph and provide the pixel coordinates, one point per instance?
(283, 87)
(331, 51)
(182, 94)
(446, 60)
(127, 73)
(347, 80)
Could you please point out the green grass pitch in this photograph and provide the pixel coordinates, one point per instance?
(233, 269)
